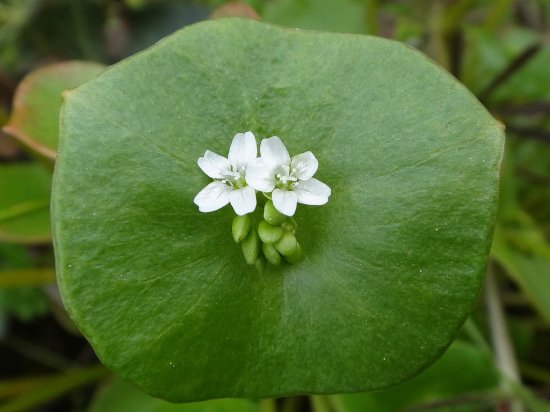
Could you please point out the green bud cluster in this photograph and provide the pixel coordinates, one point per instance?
(272, 239)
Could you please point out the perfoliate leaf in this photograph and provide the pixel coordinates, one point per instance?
(390, 266)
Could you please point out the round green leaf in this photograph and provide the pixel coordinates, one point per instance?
(24, 203)
(391, 265)
(35, 117)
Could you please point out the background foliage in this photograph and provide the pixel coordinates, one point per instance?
(499, 49)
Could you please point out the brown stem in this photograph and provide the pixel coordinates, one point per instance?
(512, 68)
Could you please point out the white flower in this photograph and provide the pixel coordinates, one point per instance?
(291, 180)
(229, 185)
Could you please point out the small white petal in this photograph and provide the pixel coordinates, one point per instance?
(213, 164)
(305, 165)
(213, 197)
(260, 176)
(311, 192)
(284, 201)
(243, 148)
(274, 152)
(243, 200)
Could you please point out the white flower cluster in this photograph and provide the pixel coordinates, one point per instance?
(288, 181)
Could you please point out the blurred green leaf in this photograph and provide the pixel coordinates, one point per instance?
(14, 16)
(25, 303)
(156, 21)
(317, 14)
(530, 83)
(488, 53)
(120, 396)
(35, 114)
(464, 373)
(37, 391)
(24, 203)
(14, 257)
(25, 277)
(530, 268)
(66, 29)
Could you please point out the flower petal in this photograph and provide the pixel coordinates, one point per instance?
(243, 148)
(311, 192)
(305, 165)
(243, 200)
(213, 197)
(213, 164)
(274, 152)
(260, 176)
(284, 201)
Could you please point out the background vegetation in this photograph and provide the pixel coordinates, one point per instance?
(498, 48)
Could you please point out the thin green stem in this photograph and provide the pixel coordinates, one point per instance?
(82, 31)
(504, 351)
(530, 400)
(37, 353)
(455, 14)
(436, 44)
(513, 67)
(21, 209)
(26, 277)
(15, 387)
(53, 387)
(268, 405)
(496, 13)
(371, 17)
(320, 403)
(488, 397)
(476, 336)
(291, 404)
(336, 403)
(535, 372)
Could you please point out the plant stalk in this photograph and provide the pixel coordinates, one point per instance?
(502, 345)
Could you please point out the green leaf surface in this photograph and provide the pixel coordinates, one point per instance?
(35, 117)
(391, 265)
(463, 373)
(120, 396)
(24, 203)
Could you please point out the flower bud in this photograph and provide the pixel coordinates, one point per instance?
(260, 264)
(251, 247)
(269, 233)
(272, 215)
(287, 245)
(241, 227)
(271, 254)
(296, 256)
